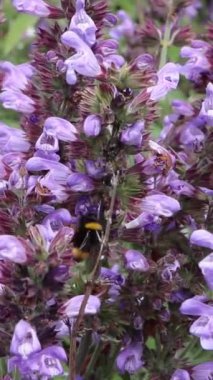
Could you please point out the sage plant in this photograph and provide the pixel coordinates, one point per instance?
(105, 229)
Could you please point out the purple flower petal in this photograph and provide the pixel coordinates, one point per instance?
(71, 308)
(180, 374)
(83, 62)
(16, 77)
(17, 101)
(80, 182)
(133, 135)
(82, 24)
(160, 205)
(37, 164)
(24, 341)
(202, 238)
(197, 61)
(202, 327)
(168, 79)
(12, 140)
(130, 358)
(47, 142)
(136, 261)
(125, 28)
(206, 266)
(12, 249)
(95, 169)
(92, 126)
(194, 306)
(207, 105)
(202, 371)
(32, 7)
(60, 128)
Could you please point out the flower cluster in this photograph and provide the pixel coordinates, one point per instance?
(105, 229)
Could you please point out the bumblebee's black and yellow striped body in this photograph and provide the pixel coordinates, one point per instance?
(86, 240)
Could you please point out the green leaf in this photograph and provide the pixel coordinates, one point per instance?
(151, 343)
(116, 377)
(17, 28)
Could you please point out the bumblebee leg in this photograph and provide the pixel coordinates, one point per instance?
(85, 240)
(99, 236)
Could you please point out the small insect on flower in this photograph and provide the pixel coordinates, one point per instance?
(164, 158)
(122, 97)
(88, 236)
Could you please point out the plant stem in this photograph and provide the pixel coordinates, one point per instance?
(83, 349)
(93, 360)
(89, 287)
(165, 42)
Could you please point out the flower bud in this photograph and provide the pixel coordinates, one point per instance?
(92, 126)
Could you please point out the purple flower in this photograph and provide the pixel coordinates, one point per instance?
(80, 182)
(71, 308)
(44, 364)
(59, 274)
(181, 187)
(52, 224)
(83, 62)
(203, 326)
(12, 249)
(182, 107)
(16, 77)
(206, 266)
(82, 24)
(95, 169)
(142, 61)
(17, 101)
(133, 135)
(191, 10)
(59, 217)
(47, 142)
(30, 360)
(192, 137)
(207, 105)
(180, 374)
(197, 62)
(167, 272)
(106, 52)
(112, 275)
(24, 340)
(136, 261)
(145, 220)
(12, 140)
(168, 125)
(125, 27)
(55, 128)
(168, 78)
(32, 7)
(202, 371)
(130, 358)
(92, 126)
(202, 238)
(37, 164)
(18, 180)
(160, 205)
(60, 128)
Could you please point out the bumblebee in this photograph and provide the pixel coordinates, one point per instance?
(87, 238)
